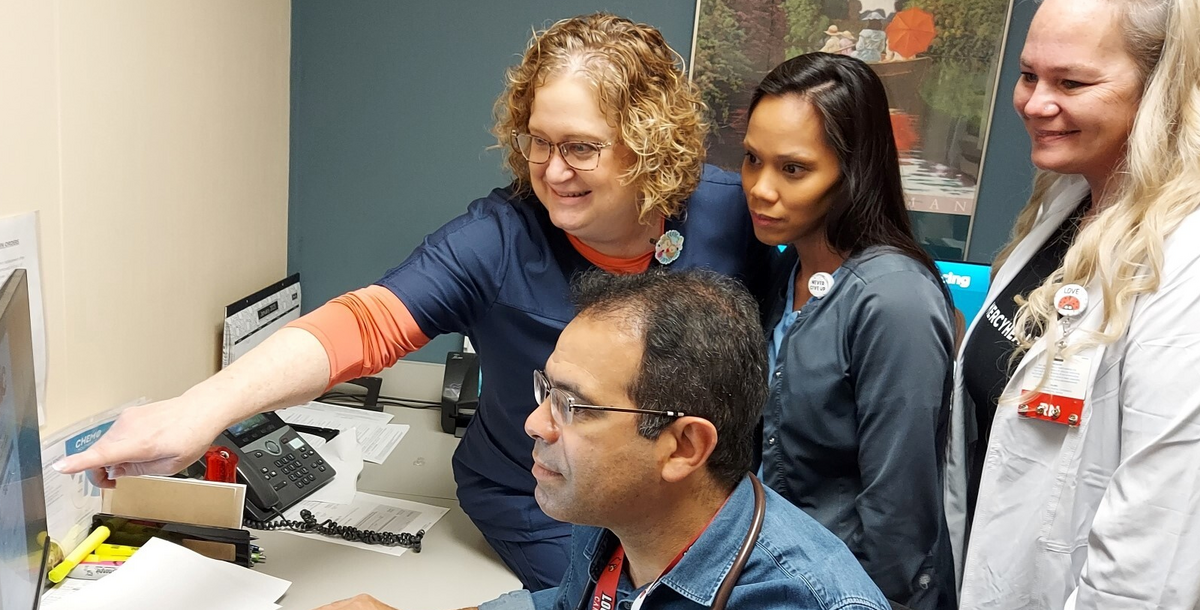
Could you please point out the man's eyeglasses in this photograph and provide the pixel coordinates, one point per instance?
(563, 405)
(581, 156)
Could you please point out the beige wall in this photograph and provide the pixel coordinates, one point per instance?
(151, 136)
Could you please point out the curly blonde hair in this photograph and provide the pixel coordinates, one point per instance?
(642, 88)
(1154, 190)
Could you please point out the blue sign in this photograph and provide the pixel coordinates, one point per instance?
(968, 283)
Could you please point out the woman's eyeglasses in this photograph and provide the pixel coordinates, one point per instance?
(581, 156)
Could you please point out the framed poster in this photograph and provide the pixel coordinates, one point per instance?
(938, 59)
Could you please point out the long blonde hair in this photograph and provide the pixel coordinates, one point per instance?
(640, 84)
(1157, 186)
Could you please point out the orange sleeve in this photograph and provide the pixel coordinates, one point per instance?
(363, 332)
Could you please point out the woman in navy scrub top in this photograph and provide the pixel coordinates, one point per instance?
(605, 140)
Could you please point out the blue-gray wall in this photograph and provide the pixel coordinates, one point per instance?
(391, 106)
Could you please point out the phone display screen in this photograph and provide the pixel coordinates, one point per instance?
(241, 428)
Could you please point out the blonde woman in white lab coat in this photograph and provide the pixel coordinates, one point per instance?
(1091, 503)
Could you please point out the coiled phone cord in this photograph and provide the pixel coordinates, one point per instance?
(329, 527)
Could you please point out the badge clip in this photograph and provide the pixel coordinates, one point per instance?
(1071, 300)
(820, 284)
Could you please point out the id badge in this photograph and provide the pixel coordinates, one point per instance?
(1060, 397)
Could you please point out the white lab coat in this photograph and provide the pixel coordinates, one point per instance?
(1108, 511)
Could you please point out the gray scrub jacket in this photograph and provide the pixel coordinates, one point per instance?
(854, 427)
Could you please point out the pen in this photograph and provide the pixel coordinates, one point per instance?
(85, 548)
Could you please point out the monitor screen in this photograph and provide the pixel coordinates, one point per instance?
(23, 537)
(968, 283)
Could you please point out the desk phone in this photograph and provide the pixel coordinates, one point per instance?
(277, 466)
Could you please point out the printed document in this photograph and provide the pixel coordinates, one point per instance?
(374, 513)
(375, 435)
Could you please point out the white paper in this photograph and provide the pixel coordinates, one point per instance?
(379, 441)
(63, 589)
(345, 456)
(371, 512)
(71, 500)
(19, 250)
(335, 414)
(376, 437)
(166, 576)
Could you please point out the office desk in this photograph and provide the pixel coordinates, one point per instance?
(455, 568)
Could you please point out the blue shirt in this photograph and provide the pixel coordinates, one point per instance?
(855, 420)
(500, 274)
(788, 317)
(795, 564)
(785, 322)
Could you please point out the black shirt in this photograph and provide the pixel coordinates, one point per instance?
(987, 354)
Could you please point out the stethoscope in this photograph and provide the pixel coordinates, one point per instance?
(743, 554)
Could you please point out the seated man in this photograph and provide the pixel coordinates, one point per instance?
(643, 438)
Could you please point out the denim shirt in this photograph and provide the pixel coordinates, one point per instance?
(854, 426)
(795, 564)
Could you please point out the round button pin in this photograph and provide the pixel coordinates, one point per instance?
(1071, 300)
(820, 284)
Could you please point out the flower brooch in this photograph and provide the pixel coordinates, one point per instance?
(668, 247)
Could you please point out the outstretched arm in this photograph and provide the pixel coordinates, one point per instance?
(288, 368)
(356, 334)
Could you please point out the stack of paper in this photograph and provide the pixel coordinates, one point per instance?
(166, 576)
(375, 435)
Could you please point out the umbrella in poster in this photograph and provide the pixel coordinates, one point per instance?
(910, 32)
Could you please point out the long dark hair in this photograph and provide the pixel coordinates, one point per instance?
(868, 205)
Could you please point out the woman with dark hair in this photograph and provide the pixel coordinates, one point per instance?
(861, 330)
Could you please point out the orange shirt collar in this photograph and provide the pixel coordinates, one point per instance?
(614, 264)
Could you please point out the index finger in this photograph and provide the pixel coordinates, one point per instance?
(103, 454)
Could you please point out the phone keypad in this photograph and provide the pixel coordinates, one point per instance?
(275, 455)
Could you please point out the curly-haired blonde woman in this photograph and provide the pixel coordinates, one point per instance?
(605, 141)
(1084, 362)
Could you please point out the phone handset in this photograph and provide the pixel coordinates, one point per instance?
(258, 491)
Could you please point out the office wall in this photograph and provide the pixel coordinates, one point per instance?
(391, 107)
(151, 137)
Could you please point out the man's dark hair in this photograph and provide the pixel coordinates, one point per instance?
(705, 353)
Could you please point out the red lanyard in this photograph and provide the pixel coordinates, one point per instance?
(605, 595)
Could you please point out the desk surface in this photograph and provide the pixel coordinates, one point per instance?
(455, 568)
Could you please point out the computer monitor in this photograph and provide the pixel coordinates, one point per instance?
(968, 283)
(23, 537)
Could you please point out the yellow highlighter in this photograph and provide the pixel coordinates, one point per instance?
(116, 550)
(89, 544)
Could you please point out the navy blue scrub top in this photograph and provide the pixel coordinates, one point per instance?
(500, 275)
